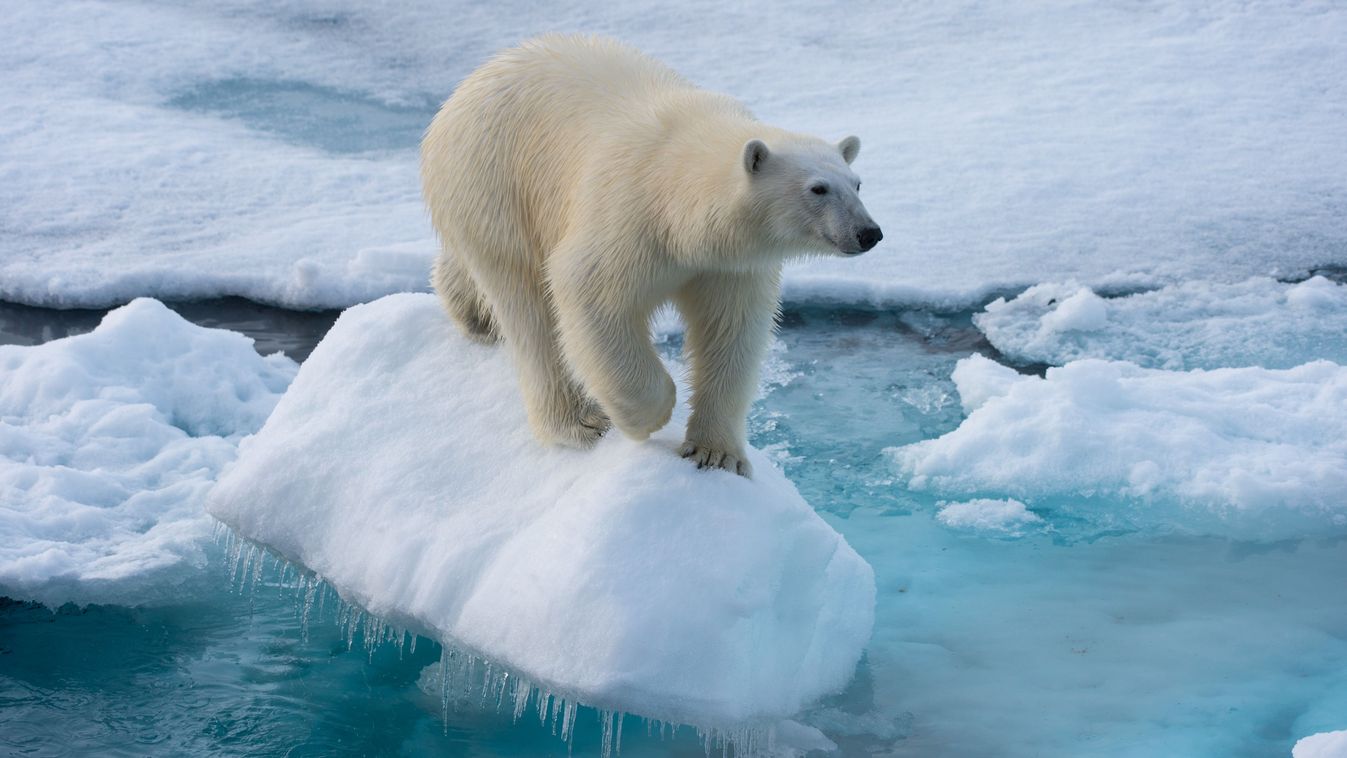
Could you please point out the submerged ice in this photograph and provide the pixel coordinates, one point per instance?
(400, 469)
(1007, 516)
(1253, 452)
(108, 444)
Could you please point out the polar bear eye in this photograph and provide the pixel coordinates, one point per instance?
(858, 186)
(819, 189)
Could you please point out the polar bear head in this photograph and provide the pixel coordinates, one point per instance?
(808, 196)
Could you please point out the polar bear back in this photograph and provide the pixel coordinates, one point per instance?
(506, 157)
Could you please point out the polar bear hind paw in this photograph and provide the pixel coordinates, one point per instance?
(593, 417)
(709, 457)
(580, 428)
(573, 434)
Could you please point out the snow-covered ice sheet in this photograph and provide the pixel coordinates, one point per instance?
(1248, 452)
(1322, 745)
(400, 469)
(1257, 322)
(267, 149)
(109, 442)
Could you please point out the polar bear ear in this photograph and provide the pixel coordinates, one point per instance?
(850, 147)
(755, 152)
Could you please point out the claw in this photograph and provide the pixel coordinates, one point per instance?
(710, 458)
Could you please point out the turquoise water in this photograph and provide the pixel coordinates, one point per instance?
(1072, 640)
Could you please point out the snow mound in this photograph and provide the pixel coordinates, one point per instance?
(400, 469)
(1322, 745)
(1249, 451)
(1257, 322)
(109, 442)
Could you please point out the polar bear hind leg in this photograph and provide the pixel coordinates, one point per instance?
(519, 305)
(462, 299)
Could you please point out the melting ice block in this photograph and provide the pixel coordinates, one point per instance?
(1245, 452)
(400, 469)
(109, 442)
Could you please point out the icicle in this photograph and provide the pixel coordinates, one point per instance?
(444, 691)
(310, 591)
(606, 741)
(568, 726)
(257, 574)
(544, 698)
(522, 690)
(461, 672)
(567, 720)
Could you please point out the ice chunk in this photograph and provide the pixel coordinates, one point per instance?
(1009, 516)
(109, 442)
(1250, 451)
(1115, 143)
(1200, 324)
(400, 469)
(981, 380)
(1082, 312)
(1322, 745)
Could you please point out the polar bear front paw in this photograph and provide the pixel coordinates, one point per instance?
(706, 456)
(644, 415)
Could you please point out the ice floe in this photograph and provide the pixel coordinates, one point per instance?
(1322, 745)
(267, 149)
(1248, 451)
(400, 469)
(1257, 322)
(109, 442)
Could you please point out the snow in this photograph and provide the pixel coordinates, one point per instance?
(267, 149)
(401, 471)
(109, 442)
(1007, 516)
(1259, 321)
(1251, 452)
(1322, 745)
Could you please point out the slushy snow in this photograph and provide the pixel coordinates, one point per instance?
(267, 149)
(109, 442)
(1259, 321)
(1249, 451)
(400, 469)
(1322, 745)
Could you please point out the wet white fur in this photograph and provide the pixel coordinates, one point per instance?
(577, 185)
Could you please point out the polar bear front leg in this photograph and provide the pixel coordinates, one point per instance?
(605, 337)
(612, 355)
(729, 320)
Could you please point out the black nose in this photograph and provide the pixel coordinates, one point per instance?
(869, 237)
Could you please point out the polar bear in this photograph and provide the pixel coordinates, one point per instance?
(576, 185)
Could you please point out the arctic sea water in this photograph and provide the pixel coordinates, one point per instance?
(1082, 638)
